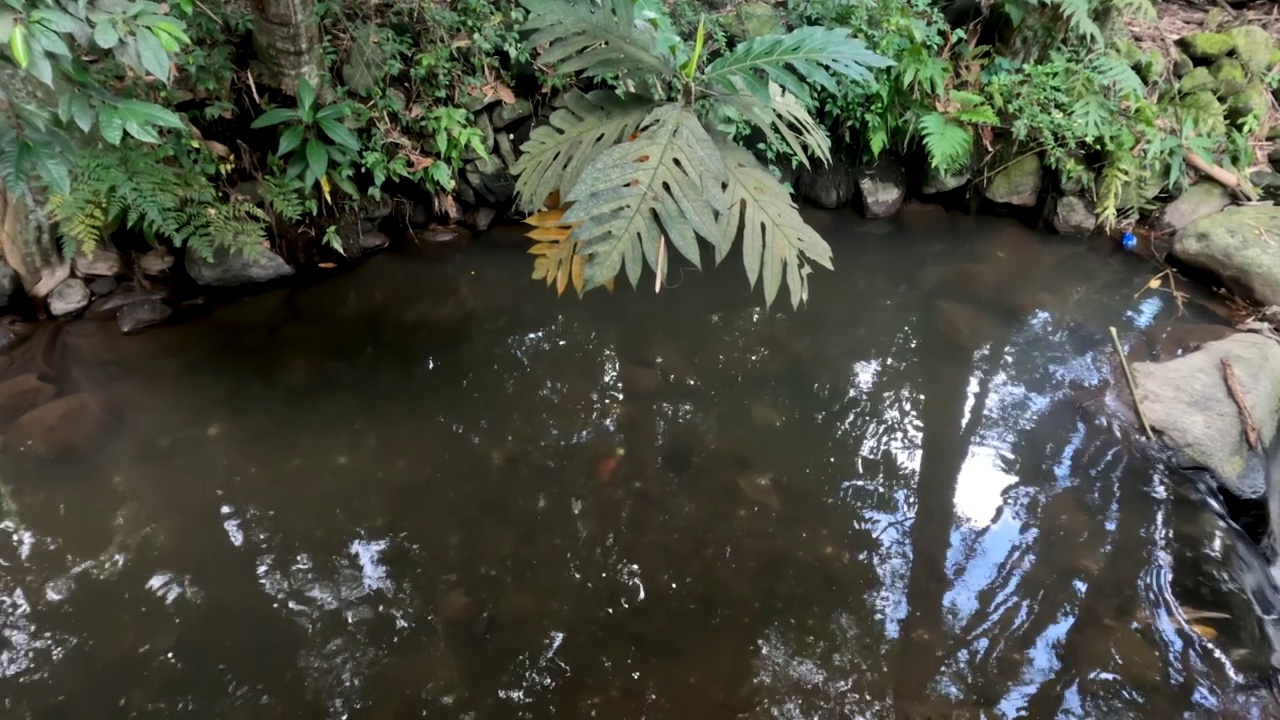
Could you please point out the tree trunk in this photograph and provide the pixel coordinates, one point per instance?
(286, 38)
(28, 245)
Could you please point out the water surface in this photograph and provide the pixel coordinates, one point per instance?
(432, 489)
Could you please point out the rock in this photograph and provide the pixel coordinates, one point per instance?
(10, 284)
(1182, 65)
(154, 262)
(1253, 46)
(14, 332)
(142, 314)
(65, 425)
(1206, 46)
(1186, 401)
(109, 306)
(935, 182)
(366, 60)
(373, 240)
(1267, 182)
(504, 115)
(419, 214)
(1228, 75)
(485, 126)
(1234, 245)
(103, 286)
(482, 218)
(1273, 155)
(71, 296)
(1198, 79)
(228, 269)
(921, 217)
(1200, 200)
(29, 245)
(827, 187)
(22, 394)
(1018, 183)
(1253, 103)
(1151, 66)
(1073, 215)
(753, 19)
(490, 179)
(437, 242)
(883, 187)
(1208, 115)
(506, 151)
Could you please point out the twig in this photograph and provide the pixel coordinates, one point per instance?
(1246, 417)
(1133, 389)
(1224, 178)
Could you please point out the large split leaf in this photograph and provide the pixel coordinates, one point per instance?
(667, 182)
(777, 243)
(589, 40)
(803, 56)
(784, 119)
(555, 153)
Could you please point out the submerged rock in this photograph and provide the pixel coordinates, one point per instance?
(827, 187)
(883, 187)
(65, 425)
(1018, 183)
(1186, 401)
(1073, 215)
(1237, 245)
(1200, 200)
(142, 314)
(70, 297)
(228, 269)
(22, 394)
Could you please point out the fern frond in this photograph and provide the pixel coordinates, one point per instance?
(804, 55)
(1115, 74)
(554, 155)
(666, 182)
(591, 41)
(1142, 10)
(777, 243)
(948, 143)
(784, 119)
(1079, 17)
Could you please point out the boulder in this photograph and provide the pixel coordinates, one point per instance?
(485, 126)
(883, 187)
(490, 179)
(1018, 183)
(136, 316)
(753, 19)
(30, 246)
(1200, 200)
(1207, 114)
(102, 262)
(936, 182)
(504, 115)
(103, 286)
(827, 187)
(1073, 215)
(1267, 182)
(1186, 401)
(70, 297)
(65, 425)
(1182, 64)
(154, 262)
(1237, 245)
(1252, 103)
(482, 218)
(1206, 46)
(1228, 76)
(1253, 46)
(227, 269)
(1196, 80)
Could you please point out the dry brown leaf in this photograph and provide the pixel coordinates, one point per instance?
(418, 162)
(326, 265)
(576, 267)
(545, 219)
(218, 148)
(549, 234)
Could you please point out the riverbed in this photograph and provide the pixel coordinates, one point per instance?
(430, 488)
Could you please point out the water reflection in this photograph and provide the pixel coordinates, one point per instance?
(435, 490)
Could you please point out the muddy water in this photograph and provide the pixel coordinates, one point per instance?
(427, 489)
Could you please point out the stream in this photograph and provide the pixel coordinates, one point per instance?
(428, 488)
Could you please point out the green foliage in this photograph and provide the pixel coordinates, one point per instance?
(641, 170)
(319, 146)
(157, 191)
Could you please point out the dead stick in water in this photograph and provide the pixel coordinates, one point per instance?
(1133, 389)
(1246, 417)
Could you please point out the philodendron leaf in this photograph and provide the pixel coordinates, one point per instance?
(777, 243)
(665, 183)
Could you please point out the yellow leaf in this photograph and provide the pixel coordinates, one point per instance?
(324, 188)
(545, 219)
(562, 277)
(1155, 282)
(544, 249)
(608, 285)
(553, 200)
(549, 233)
(1203, 631)
(576, 267)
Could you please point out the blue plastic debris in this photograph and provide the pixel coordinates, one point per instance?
(1128, 241)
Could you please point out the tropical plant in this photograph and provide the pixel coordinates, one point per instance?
(320, 148)
(642, 171)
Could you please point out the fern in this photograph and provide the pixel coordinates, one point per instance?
(776, 241)
(1114, 73)
(555, 154)
(665, 183)
(949, 144)
(1079, 17)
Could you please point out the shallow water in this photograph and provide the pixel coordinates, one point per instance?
(427, 489)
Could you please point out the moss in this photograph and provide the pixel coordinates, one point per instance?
(754, 19)
(1151, 66)
(1229, 74)
(1253, 103)
(1197, 80)
(1254, 47)
(1204, 112)
(1182, 65)
(1206, 45)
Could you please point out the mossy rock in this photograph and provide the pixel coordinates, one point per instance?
(1151, 66)
(1254, 47)
(753, 19)
(1182, 65)
(1254, 103)
(1205, 113)
(1229, 74)
(1196, 80)
(1018, 183)
(1206, 46)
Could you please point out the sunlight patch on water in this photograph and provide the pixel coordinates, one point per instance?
(979, 487)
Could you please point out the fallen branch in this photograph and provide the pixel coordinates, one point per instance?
(1223, 177)
(1246, 417)
(1133, 389)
